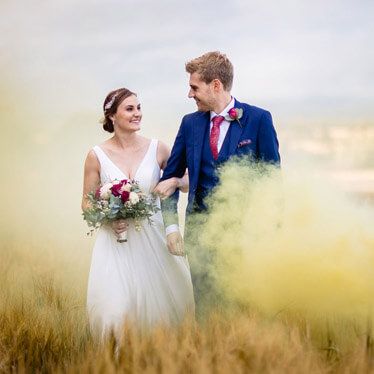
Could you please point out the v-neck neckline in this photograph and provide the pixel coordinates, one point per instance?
(140, 164)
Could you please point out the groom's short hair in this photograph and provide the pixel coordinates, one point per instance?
(213, 65)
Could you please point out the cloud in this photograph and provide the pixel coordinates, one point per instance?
(283, 52)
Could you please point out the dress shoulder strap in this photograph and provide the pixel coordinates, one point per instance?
(154, 144)
(106, 163)
(108, 170)
(153, 150)
(100, 155)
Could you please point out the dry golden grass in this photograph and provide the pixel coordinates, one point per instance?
(44, 329)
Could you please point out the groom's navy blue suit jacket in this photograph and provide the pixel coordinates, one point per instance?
(255, 137)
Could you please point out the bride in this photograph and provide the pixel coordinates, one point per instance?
(139, 281)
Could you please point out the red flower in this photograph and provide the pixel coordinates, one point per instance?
(233, 113)
(116, 189)
(125, 196)
(97, 193)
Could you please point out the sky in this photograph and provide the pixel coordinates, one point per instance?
(299, 59)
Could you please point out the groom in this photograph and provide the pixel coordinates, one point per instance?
(222, 127)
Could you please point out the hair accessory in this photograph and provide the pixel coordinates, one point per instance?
(109, 104)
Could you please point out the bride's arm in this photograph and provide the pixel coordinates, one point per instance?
(167, 187)
(91, 179)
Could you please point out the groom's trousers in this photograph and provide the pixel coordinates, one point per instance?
(208, 294)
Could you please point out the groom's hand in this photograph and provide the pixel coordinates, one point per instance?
(166, 188)
(175, 243)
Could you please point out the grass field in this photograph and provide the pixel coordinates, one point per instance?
(44, 329)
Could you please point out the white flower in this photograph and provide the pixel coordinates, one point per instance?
(105, 191)
(134, 198)
(126, 187)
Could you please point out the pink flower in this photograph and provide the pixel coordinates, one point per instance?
(126, 187)
(125, 196)
(105, 191)
(233, 113)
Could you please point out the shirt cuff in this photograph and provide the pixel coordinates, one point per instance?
(172, 228)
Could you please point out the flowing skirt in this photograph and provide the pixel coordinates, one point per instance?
(138, 281)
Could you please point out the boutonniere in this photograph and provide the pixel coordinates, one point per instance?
(234, 114)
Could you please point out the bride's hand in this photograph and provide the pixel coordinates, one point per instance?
(166, 188)
(119, 226)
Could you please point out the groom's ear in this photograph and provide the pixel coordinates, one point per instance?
(216, 84)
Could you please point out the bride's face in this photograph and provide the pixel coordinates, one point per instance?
(128, 115)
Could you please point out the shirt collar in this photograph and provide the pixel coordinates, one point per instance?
(225, 111)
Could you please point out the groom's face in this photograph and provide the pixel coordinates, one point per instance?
(202, 93)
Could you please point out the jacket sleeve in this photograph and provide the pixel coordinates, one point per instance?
(267, 140)
(177, 163)
(176, 167)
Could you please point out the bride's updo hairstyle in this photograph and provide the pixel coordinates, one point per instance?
(111, 103)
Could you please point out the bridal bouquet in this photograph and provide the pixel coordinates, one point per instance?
(116, 200)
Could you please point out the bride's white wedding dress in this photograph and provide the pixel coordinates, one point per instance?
(138, 281)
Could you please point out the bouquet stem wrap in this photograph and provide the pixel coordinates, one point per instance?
(122, 237)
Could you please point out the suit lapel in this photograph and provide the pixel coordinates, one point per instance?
(236, 130)
(199, 128)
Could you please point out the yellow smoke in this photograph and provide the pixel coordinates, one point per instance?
(288, 243)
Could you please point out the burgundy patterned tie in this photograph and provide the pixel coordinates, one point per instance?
(214, 135)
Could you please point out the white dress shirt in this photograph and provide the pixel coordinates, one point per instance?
(225, 124)
(223, 129)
